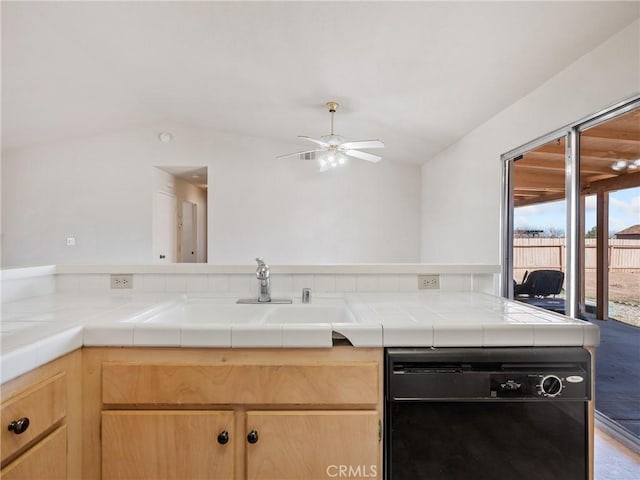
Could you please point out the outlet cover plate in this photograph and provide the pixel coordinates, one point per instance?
(428, 282)
(121, 281)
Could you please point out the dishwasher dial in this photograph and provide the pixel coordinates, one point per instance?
(550, 386)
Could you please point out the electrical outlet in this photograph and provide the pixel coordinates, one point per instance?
(122, 281)
(428, 282)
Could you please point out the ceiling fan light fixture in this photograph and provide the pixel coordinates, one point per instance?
(619, 165)
(331, 159)
(333, 140)
(332, 150)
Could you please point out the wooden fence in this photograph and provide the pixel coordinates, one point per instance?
(549, 253)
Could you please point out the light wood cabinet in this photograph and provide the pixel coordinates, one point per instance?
(171, 444)
(295, 445)
(40, 415)
(289, 414)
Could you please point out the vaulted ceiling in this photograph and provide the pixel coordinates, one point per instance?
(418, 75)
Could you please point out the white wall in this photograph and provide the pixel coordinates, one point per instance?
(461, 186)
(98, 189)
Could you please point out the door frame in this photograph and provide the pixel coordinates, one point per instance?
(574, 205)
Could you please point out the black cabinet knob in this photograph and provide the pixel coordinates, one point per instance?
(223, 437)
(19, 426)
(252, 437)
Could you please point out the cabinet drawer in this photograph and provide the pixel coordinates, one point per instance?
(333, 383)
(44, 406)
(47, 459)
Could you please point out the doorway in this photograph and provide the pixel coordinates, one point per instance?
(592, 171)
(611, 266)
(179, 214)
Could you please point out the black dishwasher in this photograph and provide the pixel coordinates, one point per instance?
(487, 413)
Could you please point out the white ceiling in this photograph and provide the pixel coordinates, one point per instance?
(416, 75)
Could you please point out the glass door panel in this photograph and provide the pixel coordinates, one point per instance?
(610, 182)
(539, 219)
(610, 185)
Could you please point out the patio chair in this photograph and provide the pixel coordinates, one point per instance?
(540, 283)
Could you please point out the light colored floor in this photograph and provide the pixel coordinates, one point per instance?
(613, 460)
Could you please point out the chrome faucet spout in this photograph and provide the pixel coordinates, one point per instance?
(306, 295)
(262, 274)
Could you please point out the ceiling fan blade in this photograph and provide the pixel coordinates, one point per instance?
(299, 153)
(363, 144)
(369, 157)
(319, 142)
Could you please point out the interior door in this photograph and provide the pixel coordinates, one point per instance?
(189, 244)
(165, 228)
(314, 445)
(167, 444)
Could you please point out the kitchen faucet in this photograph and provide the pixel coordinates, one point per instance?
(262, 274)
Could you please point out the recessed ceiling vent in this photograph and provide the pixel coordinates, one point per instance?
(308, 156)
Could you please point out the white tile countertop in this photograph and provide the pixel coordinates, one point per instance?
(37, 330)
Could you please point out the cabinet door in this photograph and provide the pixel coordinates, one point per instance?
(310, 445)
(47, 459)
(157, 445)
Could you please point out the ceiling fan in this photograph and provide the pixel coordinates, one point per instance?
(332, 150)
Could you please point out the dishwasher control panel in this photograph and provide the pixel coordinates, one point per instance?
(482, 374)
(571, 384)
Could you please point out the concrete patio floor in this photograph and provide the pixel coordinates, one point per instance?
(618, 373)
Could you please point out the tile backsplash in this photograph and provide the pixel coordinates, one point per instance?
(37, 281)
(281, 284)
(27, 282)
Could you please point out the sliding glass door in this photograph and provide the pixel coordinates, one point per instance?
(556, 193)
